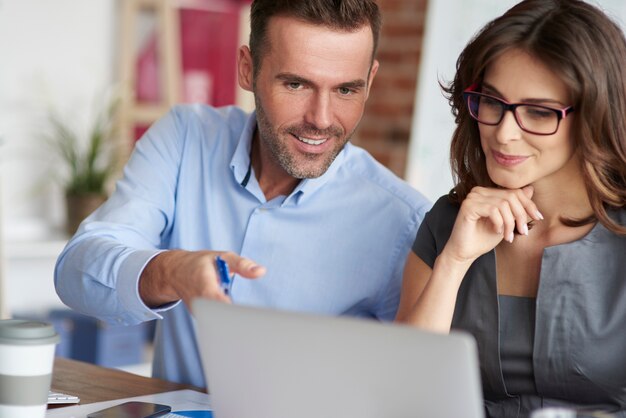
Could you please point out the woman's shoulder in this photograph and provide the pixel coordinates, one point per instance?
(436, 229)
(440, 219)
(619, 215)
(602, 233)
(444, 209)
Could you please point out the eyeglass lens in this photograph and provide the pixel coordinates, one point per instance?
(534, 119)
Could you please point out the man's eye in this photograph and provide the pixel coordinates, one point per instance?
(294, 85)
(344, 91)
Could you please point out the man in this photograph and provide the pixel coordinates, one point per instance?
(328, 225)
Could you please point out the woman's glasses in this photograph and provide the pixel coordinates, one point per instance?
(534, 119)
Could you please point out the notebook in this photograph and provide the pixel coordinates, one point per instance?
(261, 363)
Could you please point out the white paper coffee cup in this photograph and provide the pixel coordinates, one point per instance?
(26, 361)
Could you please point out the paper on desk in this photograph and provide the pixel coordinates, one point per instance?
(179, 400)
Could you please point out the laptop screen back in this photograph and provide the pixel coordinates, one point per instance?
(268, 364)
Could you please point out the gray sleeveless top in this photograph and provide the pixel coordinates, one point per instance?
(579, 349)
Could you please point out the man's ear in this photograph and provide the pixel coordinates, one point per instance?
(245, 71)
(372, 74)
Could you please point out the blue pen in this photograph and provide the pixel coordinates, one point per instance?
(222, 269)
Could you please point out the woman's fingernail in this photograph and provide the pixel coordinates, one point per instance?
(510, 237)
(539, 215)
(525, 229)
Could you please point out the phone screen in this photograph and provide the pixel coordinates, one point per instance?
(132, 410)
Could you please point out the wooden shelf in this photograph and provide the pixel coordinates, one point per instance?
(131, 112)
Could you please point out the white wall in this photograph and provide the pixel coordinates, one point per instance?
(54, 53)
(450, 25)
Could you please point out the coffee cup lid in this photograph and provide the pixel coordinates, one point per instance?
(26, 332)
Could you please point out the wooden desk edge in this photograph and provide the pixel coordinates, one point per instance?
(93, 383)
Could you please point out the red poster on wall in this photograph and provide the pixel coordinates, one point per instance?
(209, 41)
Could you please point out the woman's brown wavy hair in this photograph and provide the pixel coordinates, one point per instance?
(587, 50)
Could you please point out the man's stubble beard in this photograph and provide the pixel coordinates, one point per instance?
(279, 151)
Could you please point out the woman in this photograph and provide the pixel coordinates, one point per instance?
(528, 251)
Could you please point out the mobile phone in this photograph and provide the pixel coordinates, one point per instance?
(132, 410)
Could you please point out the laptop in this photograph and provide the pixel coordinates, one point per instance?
(262, 363)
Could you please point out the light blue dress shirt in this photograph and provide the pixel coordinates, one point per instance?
(336, 245)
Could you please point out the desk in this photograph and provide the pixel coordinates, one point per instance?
(96, 384)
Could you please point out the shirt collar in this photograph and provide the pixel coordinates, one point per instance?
(308, 187)
(241, 164)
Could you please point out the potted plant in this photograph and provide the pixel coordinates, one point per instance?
(89, 163)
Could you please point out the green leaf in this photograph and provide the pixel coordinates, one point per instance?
(89, 164)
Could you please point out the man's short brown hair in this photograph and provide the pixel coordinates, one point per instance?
(347, 15)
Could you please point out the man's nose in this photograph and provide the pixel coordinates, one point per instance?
(319, 112)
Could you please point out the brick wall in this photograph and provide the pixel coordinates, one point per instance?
(386, 125)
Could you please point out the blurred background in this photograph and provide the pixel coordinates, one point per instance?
(80, 75)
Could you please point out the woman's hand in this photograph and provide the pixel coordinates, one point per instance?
(487, 216)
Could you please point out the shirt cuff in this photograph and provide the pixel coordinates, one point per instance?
(128, 286)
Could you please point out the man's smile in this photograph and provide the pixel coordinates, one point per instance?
(312, 141)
